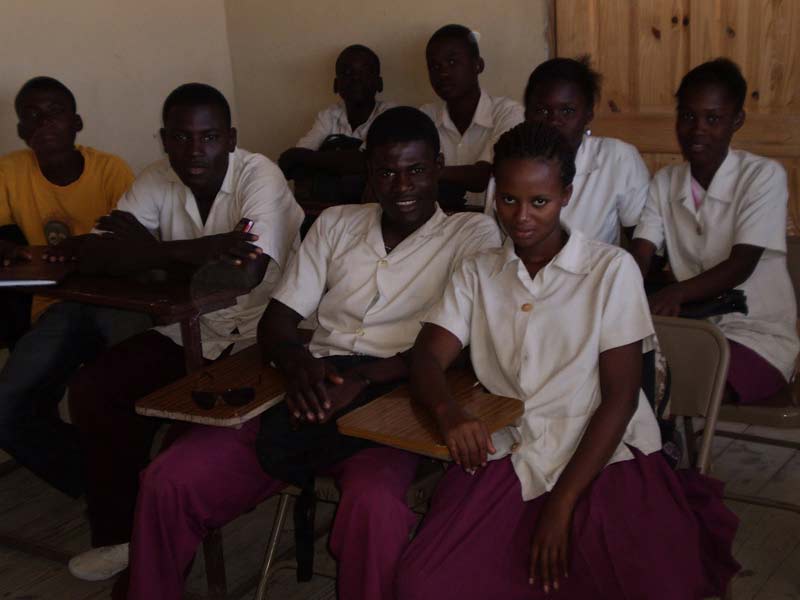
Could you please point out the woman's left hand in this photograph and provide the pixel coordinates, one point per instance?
(550, 547)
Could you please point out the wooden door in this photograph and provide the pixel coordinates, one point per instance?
(644, 47)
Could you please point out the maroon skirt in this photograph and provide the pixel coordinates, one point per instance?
(641, 531)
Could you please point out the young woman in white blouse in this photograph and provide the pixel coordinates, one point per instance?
(575, 499)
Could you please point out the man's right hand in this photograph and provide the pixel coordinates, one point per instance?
(306, 379)
(68, 250)
(11, 253)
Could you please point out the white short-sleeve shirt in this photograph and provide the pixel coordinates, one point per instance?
(369, 301)
(609, 190)
(493, 117)
(253, 188)
(333, 120)
(540, 340)
(746, 203)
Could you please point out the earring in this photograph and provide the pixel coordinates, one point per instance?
(588, 132)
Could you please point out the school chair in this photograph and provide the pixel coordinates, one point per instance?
(698, 355)
(420, 492)
(782, 411)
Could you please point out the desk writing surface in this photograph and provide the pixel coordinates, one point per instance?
(394, 420)
(243, 369)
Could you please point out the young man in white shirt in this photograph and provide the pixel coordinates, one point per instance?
(181, 212)
(358, 80)
(721, 217)
(371, 271)
(469, 120)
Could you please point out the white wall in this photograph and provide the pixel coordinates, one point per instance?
(119, 57)
(283, 54)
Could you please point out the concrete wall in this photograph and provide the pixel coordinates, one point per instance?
(283, 54)
(120, 58)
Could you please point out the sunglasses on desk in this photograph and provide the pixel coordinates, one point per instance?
(208, 399)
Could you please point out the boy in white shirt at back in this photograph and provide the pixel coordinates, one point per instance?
(468, 119)
(358, 80)
(721, 218)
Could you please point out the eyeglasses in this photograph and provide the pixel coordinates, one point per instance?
(208, 399)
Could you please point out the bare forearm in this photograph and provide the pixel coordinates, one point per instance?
(728, 274)
(428, 384)
(278, 336)
(474, 178)
(643, 251)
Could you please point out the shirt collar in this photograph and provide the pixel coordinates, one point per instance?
(586, 156)
(374, 235)
(722, 184)
(574, 257)
(483, 114)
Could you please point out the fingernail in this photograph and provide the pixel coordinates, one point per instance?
(310, 416)
(297, 414)
(546, 589)
(530, 581)
(327, 405)
(321, 416)
(555, 585)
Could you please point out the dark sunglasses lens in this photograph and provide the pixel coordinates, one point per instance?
(239, 396)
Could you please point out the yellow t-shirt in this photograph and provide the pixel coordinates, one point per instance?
(47, 213)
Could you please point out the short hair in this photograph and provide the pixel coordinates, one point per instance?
(536, 141)
(572, 70)
(458, 32)
(402, 124)
(42, 83)
(196, 94)
(360, 48)
(720, 71)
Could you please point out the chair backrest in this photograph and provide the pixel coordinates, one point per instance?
(697, 354)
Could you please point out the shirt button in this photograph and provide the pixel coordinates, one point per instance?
(383, 262)
(514, 447)
(360, 332)
(527, 307)
(699, 229)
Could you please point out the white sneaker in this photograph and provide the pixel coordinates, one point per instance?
(99, 563)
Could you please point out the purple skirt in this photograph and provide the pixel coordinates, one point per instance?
(641, 531)
(751, 377)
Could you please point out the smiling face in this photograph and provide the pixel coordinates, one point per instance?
(529, 197)
(404, 177)
(358, 76)
(562, 105)
(453, 68)
(47, 122)
(197, 140)
(707, 118)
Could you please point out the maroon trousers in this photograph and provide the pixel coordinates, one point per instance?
(116, 440)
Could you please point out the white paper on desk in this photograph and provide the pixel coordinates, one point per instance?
(26, 282)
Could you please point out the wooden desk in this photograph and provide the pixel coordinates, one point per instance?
(168, 302)
(243, 369)
(394, 420)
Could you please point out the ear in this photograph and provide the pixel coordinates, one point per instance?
(380, 84)
(21, 132)
(336, 85)
(590, 116)
(78, 123)
(479, 65)
(232, 139)
(567, 195)
(163, 134)
(738, 120)
(440, 161)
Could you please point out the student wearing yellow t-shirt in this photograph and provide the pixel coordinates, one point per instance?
(54, 191)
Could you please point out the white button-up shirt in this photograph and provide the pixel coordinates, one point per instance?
(369, 301)
(493, 117)
(609, 190)
(746, 203)
(253, 188)
(540, 340)
(333, 120)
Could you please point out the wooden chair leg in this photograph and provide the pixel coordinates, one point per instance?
(272, 547)
(215, 565)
